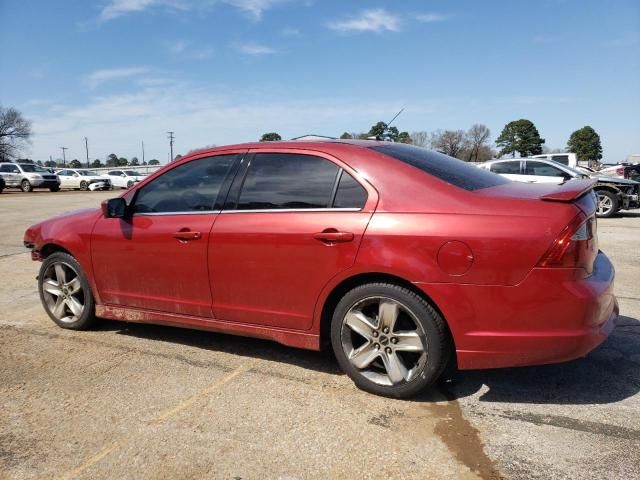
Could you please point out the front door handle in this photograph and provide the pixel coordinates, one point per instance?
(185, 235)
(333, 236)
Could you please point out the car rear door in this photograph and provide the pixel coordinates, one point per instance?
(510, 169)
(292, 221)
(542, 172)
(11, 174)
(156, 258)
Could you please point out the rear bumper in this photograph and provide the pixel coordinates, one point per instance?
(550, 317)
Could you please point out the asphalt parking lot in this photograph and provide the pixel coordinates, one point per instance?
(148, 402)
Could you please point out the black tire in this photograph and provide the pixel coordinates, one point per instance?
(54, 189)
(84, 185)
(130, 184)
(435, 342)
(605, 197)
(25, 186)
(87, 317)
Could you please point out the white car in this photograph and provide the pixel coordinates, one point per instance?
(83, 180)
(124, 178)
(613, 193)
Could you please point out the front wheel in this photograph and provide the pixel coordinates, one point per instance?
(389, 340)
(84, 185)
(25, 186)
(130, 184)
(65, 292)
(607, 204)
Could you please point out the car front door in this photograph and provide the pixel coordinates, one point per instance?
(116, 178)
(156, 257)
(541, 172)
(293, 220)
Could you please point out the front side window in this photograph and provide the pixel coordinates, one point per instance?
(190, 187)
(287, 181)
(542, 170)
(508, 168)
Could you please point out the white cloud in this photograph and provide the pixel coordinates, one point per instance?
(118, 8)
(94, 79)
(255, 49)
(431, 17)
(254, 8)
(117, 123)
(376, 20)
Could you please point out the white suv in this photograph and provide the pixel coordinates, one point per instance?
(28, 176)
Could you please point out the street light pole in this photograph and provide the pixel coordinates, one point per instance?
(143, 162)
(64, 157)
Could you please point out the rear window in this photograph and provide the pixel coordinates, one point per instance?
(451, 170)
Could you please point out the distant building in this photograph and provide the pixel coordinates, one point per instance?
(633, 158)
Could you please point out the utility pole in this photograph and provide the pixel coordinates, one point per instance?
(64, 157)
(86, 147)
(171, 138)
(143, 162)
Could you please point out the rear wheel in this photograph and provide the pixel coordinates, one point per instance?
(389, 340)
(25, 186)
(84, 185)
(65, 292)
(607, 203)
(130, 184)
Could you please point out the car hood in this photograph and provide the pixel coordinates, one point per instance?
(64, 222)
(624, 181)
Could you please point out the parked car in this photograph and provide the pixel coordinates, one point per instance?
(614, 194)
(28, 176)
(631, 172)
(83, 180)
(124, 178)
(315, 243)
(567, 159)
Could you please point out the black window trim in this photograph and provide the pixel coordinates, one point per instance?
(232, 200)
(521, 167)
(220, 198)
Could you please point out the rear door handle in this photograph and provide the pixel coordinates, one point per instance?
(333, 236)
(186, 235)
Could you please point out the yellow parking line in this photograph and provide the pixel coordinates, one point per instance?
(163, 416)
(95, 459)
(214, 386)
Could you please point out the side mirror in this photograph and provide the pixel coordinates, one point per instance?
(114, 208)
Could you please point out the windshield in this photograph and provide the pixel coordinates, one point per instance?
(133, 173)
(28, 167)
(88, 173)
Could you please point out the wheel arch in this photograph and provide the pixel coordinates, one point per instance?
(50, 248)
(356, 280)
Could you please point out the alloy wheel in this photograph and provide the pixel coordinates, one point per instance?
(605, 205)
(62, 292)
(383, 339)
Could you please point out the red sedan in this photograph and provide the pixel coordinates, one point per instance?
(402, 259)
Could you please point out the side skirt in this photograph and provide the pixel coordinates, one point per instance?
(291, 338)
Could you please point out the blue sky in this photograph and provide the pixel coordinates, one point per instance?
(226, 71)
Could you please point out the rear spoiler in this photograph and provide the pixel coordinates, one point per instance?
(570, 191)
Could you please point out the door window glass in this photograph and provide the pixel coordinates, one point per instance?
(287, 181)
(190, 187)
(543, 170)
(508, 168)
(350, 193)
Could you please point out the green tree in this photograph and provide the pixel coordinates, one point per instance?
(39, 162)
(134, 162)
(404, 137)
(585, 143)
(153, 161)
(520, 136)
(270, 137)
(96, 163)
(75, 163)
(112, 160)
(50, 164)
(122, 162)
(346, 136)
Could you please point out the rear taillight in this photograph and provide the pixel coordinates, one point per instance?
(575, 247)
(620, 171)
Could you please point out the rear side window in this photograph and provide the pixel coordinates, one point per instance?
(350, 194)
(451, 170)
(563, 159)
(508, 168)
(190, 187)
(287, 181)
(542, 169)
